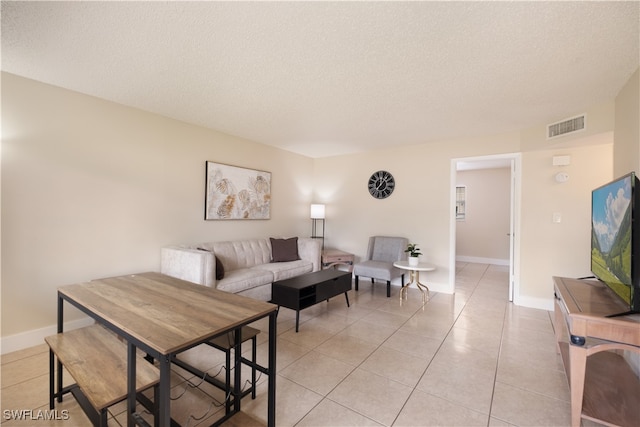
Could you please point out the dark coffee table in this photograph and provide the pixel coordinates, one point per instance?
(309, 289)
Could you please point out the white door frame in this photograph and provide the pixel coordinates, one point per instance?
(514, 228)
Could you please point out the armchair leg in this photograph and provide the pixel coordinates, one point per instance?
(356, 283)
(388, 288)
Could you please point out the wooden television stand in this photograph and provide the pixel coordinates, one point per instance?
(604, 388)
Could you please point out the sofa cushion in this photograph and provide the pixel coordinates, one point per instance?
(287, 270)
(244, 278)
(284, 250)
(238, 254)
(382, 270)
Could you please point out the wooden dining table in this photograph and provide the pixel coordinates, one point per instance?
(163, 316)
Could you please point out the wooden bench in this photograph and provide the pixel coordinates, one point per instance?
(97, 361)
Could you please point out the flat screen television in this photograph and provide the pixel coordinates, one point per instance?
(615, 238)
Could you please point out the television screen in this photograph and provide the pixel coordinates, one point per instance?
(612, 246)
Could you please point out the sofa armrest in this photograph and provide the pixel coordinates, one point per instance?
(310, 250)
(189, 264)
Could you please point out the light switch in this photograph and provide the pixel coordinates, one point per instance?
(557, 217)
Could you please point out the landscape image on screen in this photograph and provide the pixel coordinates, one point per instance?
(611, 236)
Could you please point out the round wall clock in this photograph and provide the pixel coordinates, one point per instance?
(381, 184)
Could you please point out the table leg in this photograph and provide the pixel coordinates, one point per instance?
(58, 363)
(578, 361)
(237, 363)
(254, 350)
(52, 374)
(403, 289)
(414, 276)
(423, 288)
(131, 384)
(227, 381)
(271, 405)
(164, 401)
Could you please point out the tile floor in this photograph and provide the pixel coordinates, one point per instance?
(469, 359)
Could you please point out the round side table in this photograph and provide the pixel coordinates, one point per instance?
(414, 277)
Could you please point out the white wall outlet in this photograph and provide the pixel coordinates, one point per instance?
(557, 217)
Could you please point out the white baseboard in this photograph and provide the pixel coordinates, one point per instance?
(36, 336)
(481, 260)
(534, 302)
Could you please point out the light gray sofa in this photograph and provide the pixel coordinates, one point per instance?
(248, 265)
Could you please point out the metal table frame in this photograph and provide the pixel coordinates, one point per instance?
(414, 277)
(164, 358)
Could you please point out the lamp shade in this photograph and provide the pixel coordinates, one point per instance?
(317, 211)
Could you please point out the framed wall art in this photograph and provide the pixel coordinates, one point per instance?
(233, 192)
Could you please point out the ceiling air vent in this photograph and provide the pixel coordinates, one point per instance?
(574, 124)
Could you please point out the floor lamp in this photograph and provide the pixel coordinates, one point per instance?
(317, 215)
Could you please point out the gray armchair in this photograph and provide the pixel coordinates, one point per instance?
(382, 252)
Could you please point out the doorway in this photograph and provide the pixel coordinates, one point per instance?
(504, 241)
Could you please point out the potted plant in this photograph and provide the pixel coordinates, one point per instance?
(414, 253)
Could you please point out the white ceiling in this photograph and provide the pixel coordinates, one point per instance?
(330, 78)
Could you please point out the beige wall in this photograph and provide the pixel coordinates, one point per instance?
(599, 119)
(483, 236)
(93, 189)
(558, 249)
(627, 128)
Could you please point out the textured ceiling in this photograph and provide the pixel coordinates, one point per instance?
(329, 78)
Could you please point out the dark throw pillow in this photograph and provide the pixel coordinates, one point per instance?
(219, 266)
(283, 250)
(219, 269)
